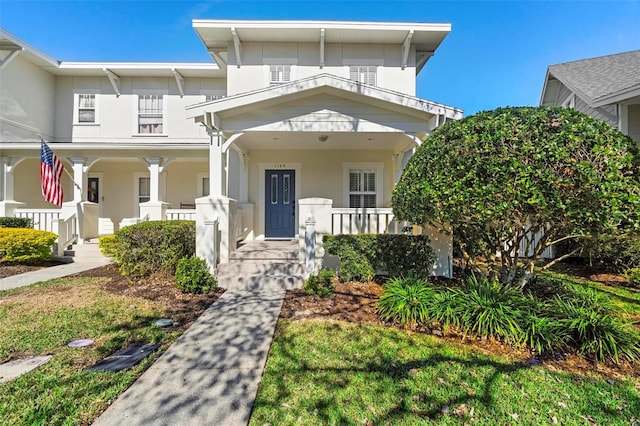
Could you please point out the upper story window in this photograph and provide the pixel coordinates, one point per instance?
(364, 74)
(279, 74)
(150, 114)
(85, 109)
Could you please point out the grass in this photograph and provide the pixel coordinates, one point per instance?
(341, 373)
(42, 319)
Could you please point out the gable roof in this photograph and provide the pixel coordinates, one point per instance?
(601, 80)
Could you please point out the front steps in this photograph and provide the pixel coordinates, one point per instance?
(262, 265)
(89, 252)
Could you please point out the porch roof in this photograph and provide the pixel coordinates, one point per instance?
(213, 113)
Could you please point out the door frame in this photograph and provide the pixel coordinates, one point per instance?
(262, 172)
(100, 177)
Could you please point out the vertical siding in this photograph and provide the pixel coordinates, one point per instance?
(634, 122)
(607, 118)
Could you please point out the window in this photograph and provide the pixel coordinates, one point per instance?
(205, 186)
(362, 188)
(144, 189)
(363, 74)
(86, 108)
(279, 74)
(150, 114)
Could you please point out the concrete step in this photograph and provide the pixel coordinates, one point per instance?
(88, 252)
(260, 267)
(273, 255)
(260, 282)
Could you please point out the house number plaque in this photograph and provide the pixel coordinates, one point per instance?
(280, 166)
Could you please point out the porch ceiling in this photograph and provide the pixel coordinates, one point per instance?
(367, 141)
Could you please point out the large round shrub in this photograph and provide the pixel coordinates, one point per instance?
(496, 175)
(154, 246)
(192, 276)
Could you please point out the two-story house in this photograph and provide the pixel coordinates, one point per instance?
(291, 119)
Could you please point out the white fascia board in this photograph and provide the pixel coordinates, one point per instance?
(573, 89)
(544, 88)
(106, 147)
(139, 65)
(26, 47)
(323, 80)
(209, 23)
(621, 96)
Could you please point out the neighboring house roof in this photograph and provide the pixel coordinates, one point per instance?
(598, 81)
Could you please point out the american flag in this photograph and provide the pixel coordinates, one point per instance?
(50, 171)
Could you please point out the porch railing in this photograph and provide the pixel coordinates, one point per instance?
(67, 231)
(180, 214)
(367, 221)
(41, 219)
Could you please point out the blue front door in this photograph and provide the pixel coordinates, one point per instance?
(280, 209)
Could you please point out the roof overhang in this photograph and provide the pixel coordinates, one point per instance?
(209, 113)
(220, 35)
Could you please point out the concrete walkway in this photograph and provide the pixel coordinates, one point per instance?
(210, 375)
(50, 273)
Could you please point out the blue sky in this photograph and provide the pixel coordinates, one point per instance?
(496, 55)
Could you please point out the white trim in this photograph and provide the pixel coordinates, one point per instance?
(136, 192)
(100, 177)
(378, 167)
(76, 107)
(200, 176)
(260, 208)
(136, 112)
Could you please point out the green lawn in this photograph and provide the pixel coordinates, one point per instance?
(41, 319)
(336, 373)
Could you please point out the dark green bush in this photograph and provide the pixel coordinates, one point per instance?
(15, 222)
(154, 246)
(362, 255)
(616, 254)
(406, 300)
(633, 275)
(321, 284)
(192, 276)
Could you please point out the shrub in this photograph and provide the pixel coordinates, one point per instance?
(15, 222)
(492, 309)
(616, 254)
(192, 276)
(364, 254)
(595, 331)
(109, 246)
(446, 308)
(321, 284)
(633, 275)
(406, 301)
(154, 246)
(26, 245)
(543, 333)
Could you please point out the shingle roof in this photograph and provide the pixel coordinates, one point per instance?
(601, 77)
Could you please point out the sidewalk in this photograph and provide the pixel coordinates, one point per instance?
(50, 273)
(211, 374)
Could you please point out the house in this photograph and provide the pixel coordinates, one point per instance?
(606, 88)
(290, 120)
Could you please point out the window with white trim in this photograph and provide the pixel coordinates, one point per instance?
(364, 74)
(279, 74)
(144, 189)
(362, 188)
(150, 114)
(86, 108)
(205, 186)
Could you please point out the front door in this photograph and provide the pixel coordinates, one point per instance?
(280, 209)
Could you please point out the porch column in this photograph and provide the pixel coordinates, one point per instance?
(155, 207)
(216, 166)
(79, 179)
(244, 178)
(7, 203)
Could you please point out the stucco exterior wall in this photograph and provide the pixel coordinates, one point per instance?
(320, 173)
(117, 116)
(27, 189)
(28, 98)
(304, 59)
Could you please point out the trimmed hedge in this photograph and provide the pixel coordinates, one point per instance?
(321, 284)
(362, 255)
(15, 222)
(26, 245)
(153, 246)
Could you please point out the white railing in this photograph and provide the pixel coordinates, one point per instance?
(367, 221)
(67, 231)
(41, 219)
(127, 221)
(180, 214)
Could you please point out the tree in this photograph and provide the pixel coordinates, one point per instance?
(524, 178)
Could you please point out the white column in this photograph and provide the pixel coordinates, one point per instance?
(8, 204)
(79, 179)
(154, 178)
(244, 179)
(155, 208)
(215, 164)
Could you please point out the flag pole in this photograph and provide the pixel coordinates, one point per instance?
(63, 168)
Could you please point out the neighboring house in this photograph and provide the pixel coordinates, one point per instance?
(606, 88)
(293, 118)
